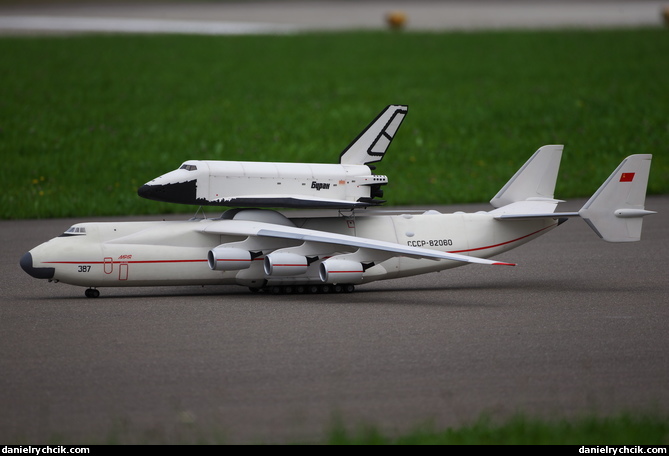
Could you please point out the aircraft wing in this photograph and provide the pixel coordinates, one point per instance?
(365, 247)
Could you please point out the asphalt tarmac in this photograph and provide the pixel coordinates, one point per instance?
(578, 327)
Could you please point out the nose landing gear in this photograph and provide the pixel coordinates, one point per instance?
(92, 293)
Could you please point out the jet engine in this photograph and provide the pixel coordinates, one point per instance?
(223, 258)
(285, 264)
(341, 271)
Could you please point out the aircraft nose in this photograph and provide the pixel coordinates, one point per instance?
(38, 273)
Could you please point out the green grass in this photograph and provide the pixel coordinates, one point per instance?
(85, 120)
(624, 429)
(619, 429)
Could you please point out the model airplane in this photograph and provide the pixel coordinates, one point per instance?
(349, 184)
(265, 250)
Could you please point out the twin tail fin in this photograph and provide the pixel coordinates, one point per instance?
(615, 211)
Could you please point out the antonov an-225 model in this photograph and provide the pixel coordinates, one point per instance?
(267, 251)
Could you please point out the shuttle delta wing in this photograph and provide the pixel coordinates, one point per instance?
(288, 201)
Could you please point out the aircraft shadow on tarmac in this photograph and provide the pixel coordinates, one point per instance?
(442, 293)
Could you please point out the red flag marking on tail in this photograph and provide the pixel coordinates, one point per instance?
(626, 177)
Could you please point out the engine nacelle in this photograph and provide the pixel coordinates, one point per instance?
(340, 271)
(285, 264)
(224, 258)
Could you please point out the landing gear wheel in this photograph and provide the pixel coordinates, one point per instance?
(92, 293)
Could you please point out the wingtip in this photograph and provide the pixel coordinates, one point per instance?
(499, 263)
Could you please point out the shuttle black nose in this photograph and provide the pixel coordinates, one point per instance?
(38, 273)
(146, 191)
(180, 192)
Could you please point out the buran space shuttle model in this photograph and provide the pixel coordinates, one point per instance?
(348, 185)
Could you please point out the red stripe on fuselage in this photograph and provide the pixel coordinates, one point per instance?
(125, 262)
(503, 243)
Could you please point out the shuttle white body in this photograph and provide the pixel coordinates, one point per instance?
(349, 184)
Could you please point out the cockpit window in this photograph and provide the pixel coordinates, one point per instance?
(75, 231)
(189, 167)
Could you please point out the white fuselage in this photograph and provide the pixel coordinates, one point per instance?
(117, 254)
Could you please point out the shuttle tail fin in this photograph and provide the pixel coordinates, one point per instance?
(615, 212)
(372, 143)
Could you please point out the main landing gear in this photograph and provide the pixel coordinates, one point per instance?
(92, 293)
(278, 289)
(302, 289)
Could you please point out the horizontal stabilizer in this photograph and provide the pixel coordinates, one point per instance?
(538, 208)
(553, 215)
